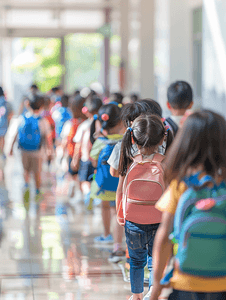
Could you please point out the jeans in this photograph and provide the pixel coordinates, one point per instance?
(139, 239)
(181, 295)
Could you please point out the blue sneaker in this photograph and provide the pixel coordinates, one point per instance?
(104, 240)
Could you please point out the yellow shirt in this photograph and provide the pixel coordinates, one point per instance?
(181, 281)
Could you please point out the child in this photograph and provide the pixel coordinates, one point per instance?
(109, 128)
(47, 115)
(34, 134)
(61, 115)
(116, 98)
(180, 99)
(199, 149)
(81, 162)
(140, 185)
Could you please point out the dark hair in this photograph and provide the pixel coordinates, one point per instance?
(117, 97)
(65, 100)
(113, 113)
(201, 141)
(76, 106)
(34, 86)
(47, 102)
(133, 110)
(134, 97)
(76, 93)
(35, 101)
(93, 104)
(180, 95)
(147, 131)
(55, 89)
(1, 91)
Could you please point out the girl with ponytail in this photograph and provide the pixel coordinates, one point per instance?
(106, 131)
(141, 183)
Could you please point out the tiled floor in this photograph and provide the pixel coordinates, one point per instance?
(47, 253)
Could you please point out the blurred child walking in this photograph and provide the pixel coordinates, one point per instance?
(81, 156)
(108, 131)
(35, 140)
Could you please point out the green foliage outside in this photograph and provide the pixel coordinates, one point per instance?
(84, 59)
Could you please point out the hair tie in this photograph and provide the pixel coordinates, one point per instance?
(105, 117)
(95, 117)
(130, 129)
(84, 110)
(120, 105)
(166, 129)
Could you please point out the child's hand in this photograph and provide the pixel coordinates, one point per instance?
(156, 290)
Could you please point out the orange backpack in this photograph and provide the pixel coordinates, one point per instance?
(142, 187)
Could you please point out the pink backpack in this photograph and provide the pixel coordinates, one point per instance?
(142, 188)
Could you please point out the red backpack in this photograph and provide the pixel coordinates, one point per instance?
(143, 186)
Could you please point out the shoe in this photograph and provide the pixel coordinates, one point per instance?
(148, 295)
(26, 198)
(117, 256)
(88, 202)
(104, 240)
(125, 268)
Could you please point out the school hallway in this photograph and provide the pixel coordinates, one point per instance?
(47, 251)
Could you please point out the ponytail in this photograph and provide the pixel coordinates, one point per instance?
(126, 156)
(93, 129)
(169, 139)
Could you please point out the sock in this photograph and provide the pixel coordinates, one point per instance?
(117, 246)
(37, 191)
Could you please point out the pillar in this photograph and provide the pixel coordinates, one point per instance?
(62, 61)
(147, 48)
(124, 33)
(107, 54)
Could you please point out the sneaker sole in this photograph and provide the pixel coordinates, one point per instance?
(103, 242)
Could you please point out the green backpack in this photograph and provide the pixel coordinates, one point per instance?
(200, 228)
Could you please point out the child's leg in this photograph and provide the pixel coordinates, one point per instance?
(106, 217)
(152, 232)
(37, 170)
(26, 161)
(136, 242)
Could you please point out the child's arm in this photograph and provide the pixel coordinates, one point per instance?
(162, 252)
(13, 143)
(48, 139)
(119, 191)
(114, 172)
(76, 157)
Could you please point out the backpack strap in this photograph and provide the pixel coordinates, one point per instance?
(173, 125)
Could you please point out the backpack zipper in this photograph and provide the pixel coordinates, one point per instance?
(187, 234)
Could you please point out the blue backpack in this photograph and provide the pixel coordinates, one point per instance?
(29, 134)
(103, 178)
(3, 116)
(200, 228)
(62, 114)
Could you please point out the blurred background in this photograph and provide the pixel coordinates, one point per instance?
(132, 46)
